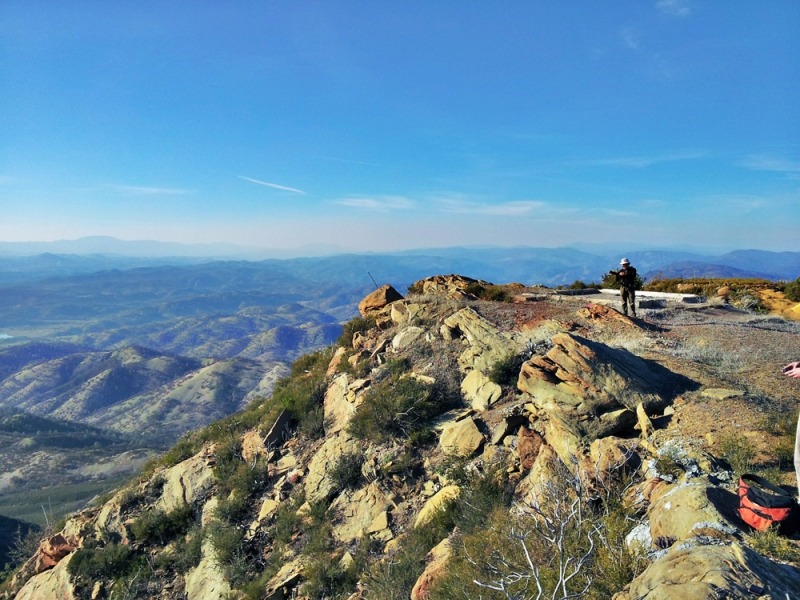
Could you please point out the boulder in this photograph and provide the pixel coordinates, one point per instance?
(188, 481)
(461, 438)
(338, 406)
(507, 426)
(694, 571)
(480, 391)
(282, 585)
(403, 313)
(528, 445)
(378, 300)
(436, 567)
(690, 509)
(534, 488)
(336, 360)
(207, 580)
(593, 387)
(451, 286)
(53, 583)
(279, 431)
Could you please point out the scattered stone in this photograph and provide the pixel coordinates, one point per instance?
(721, 393)
(644, 422)
(407, 337)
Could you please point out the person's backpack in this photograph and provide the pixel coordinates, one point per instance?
(763, 504)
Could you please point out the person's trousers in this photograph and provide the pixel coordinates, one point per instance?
(628, 299)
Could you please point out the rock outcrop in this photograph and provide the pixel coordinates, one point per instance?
(286, 497)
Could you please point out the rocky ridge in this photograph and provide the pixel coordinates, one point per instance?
(577, 405)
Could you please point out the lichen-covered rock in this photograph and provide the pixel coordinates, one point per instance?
(690, 509)
(694, 571)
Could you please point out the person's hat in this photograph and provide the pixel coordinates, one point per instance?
(624, 261)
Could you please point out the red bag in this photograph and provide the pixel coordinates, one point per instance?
(762, 504)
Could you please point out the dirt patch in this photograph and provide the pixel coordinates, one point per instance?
(777, 303)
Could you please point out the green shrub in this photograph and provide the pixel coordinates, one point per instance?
(184, 553)
(792, 290)
(303, 398)
(155, 525)
(345, 473)
(738, 451)
(353, 326)
(773, 544)
(517, 552)
(494, 293)
(505, 371)
(397, 408)
(104, 563)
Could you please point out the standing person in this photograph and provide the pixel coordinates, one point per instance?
(793, 370)
(626, 277)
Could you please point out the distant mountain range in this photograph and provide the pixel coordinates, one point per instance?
(548, 266)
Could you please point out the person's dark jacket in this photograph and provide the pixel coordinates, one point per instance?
(626, 277)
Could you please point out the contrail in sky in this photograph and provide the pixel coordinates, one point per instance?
(272, 185)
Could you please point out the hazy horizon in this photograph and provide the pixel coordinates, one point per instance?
(385, 127)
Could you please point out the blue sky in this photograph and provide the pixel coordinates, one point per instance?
(392, 125)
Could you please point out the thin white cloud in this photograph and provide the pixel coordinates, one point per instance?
(516, 208)
(639, 162)
(138, 190)
(631, 37)
(674, 8)
(761, 162)
(275, 186)
(377, 203)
